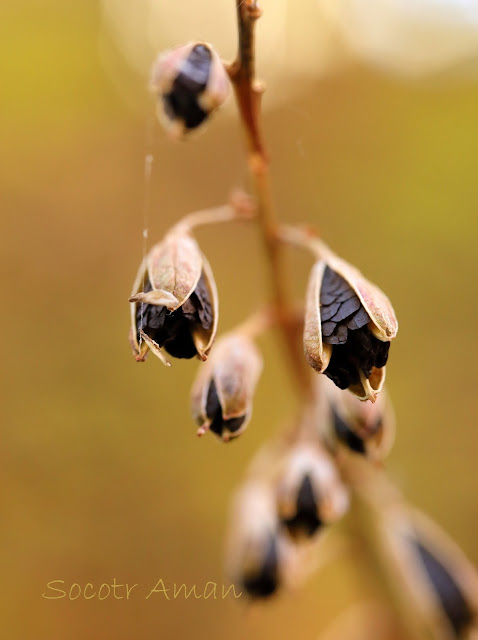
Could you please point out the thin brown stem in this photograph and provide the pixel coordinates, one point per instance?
(240, 208)
(248, 94)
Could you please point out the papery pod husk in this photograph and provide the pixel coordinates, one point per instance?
(218, 85)
(253, 522)
(167, 65)
(369, 390)
(204, 338)
(361, 418)
(401, 527)
(166, 69)
(174, 267)
(383, 323)
(310, 459)
(235, 365)
(318, 353)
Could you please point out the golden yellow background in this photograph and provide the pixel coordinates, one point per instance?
(102, 475)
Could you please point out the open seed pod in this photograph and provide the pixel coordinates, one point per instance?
(349, 324)
(174, 302)
(365, 428)
(440, 579)
(222, 394)
(190, 82)
(259, 557)
(310, 492)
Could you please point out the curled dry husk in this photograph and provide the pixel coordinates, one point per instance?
(190, 82)
(434, 571)
(222, 393)
(173, 268)
(259, 558)
(310, 491)
(382, 321)
(364, 427)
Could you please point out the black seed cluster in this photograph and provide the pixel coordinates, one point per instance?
(172, 330)
(346, 435)
(182, 101)
(265, 580)
(344, 325)
(214, 413)
(454, 604)
(305, 521)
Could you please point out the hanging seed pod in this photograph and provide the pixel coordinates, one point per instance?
(223, 391)
(190, 82)
(348, 326)
(259, 558)
(174, 301)
(365, 428)
(310, 491)
(442, 582)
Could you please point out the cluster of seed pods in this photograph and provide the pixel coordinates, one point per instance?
(294, 488)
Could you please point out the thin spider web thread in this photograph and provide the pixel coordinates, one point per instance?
(148, 170)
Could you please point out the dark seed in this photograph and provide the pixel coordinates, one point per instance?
(347, 308)
(329, 310)
(358, 320)
(346, 435)
(265, 581)
(214, 413)
(344, 325)
(452, 599)
(305, 520)
(172, 330)
(182, 101)
(339, 336)
(328, 329)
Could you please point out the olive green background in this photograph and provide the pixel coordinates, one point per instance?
(102, 476)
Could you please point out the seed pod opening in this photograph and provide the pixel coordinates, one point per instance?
(365, 428)
(310, 492)
(449, 593)
(434, 571)
(190, 82)
(174, 302)
(348, 327)
(259, 558)
(222, 394)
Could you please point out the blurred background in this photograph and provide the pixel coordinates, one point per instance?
(102, 475)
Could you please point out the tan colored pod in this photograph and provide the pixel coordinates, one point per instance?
(434, 572)
(348, 326)
(174, 301)
(310, 491)
(363, 427)
(259, 558)
(190, 83)
(222, 394)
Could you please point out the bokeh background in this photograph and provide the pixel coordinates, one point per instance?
(102, 475)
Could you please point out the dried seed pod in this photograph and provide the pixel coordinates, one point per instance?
(348, 326)
(310, 492)
(443, 584)
(259, 558)
(174, 301)
(190, 82)
(223, 391)
(363, 427)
